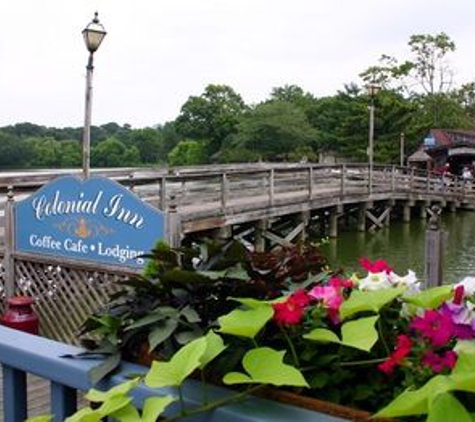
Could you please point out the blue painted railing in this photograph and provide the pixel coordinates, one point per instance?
(22, 353)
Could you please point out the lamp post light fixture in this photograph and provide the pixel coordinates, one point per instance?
(373, 90)
(93, 34)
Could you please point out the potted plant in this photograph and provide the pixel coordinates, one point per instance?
(371, 341)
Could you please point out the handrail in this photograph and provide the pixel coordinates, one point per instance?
(22, 353)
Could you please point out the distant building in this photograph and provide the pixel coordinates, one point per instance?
(453, 146)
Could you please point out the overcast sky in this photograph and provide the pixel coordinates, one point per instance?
(159, 52)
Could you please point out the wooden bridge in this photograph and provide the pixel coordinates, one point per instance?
(265, 204)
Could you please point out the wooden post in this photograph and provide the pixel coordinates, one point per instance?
(453, 207)
(9, 261)
(361, 224)
(343, 180)
(271, 187)
(163, 193)
(333, 219)
(387, 219)
(423, 211)
(173, 232)
(393, 178)
(305, 219)
(224, 192)
(435, 247)
(310, 183)
(406, 213)
(412, 179)
(259, 239)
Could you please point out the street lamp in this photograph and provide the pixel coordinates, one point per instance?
(373, 90)
(93, 34)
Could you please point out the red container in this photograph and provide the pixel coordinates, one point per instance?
(20, 315)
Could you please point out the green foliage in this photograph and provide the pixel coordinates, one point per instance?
(212, 116)
(114, 153)
(361, 301)
(188, 153)
(431, 298)
(274, 130)
(182, 364)
(246, 323)
(265, 366)
(360, 334)
(434, 396)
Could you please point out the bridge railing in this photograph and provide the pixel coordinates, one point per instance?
(208, 189)
(22, 353)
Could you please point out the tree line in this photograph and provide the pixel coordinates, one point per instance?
(418, 93)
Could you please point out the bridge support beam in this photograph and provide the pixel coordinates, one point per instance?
(305, 220)
(259, 239)
(453, 207)
(406, 213)
(333, 223)
(361, 223)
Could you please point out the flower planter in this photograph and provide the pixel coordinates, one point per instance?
(323, 408)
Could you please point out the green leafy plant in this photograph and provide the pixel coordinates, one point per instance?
(182, 294)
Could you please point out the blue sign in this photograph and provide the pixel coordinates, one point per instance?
(95, 219)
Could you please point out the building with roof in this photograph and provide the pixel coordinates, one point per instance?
(452, 146)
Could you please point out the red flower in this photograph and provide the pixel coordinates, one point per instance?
(434, 326)
(439, 362)
(458, 295)
(378, 266)
(403, 348)
(291, 311)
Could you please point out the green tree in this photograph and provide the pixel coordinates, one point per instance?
(149, 144)
(71, 154)
(427, 69)
(46, 152)
(292, 94)
(14, 151)
(275, 129)
(113, 153)
(187, 152)
(212, 116)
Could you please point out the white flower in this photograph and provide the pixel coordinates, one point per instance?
(468, 284)
(409, 280)
(375, 281)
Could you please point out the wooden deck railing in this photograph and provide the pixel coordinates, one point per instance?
(22, 353)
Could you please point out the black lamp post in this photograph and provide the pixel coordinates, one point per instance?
(93, 34)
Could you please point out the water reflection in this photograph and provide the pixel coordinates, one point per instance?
(402, 245)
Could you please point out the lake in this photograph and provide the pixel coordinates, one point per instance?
(402, 245)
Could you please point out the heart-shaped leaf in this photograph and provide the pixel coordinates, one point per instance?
(154, 406)
(360, 301)
(214, 346)
(246, 323)
(359, 334)
(265, 366)
(181, 365)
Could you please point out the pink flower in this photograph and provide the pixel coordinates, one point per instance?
(378, 266)
(331, 296)
(439, 362)
(291, 311)
(403, 348)
(434, 326)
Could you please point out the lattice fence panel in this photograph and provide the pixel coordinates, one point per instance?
(64, 296)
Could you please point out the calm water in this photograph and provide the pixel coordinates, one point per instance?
(402, 245)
